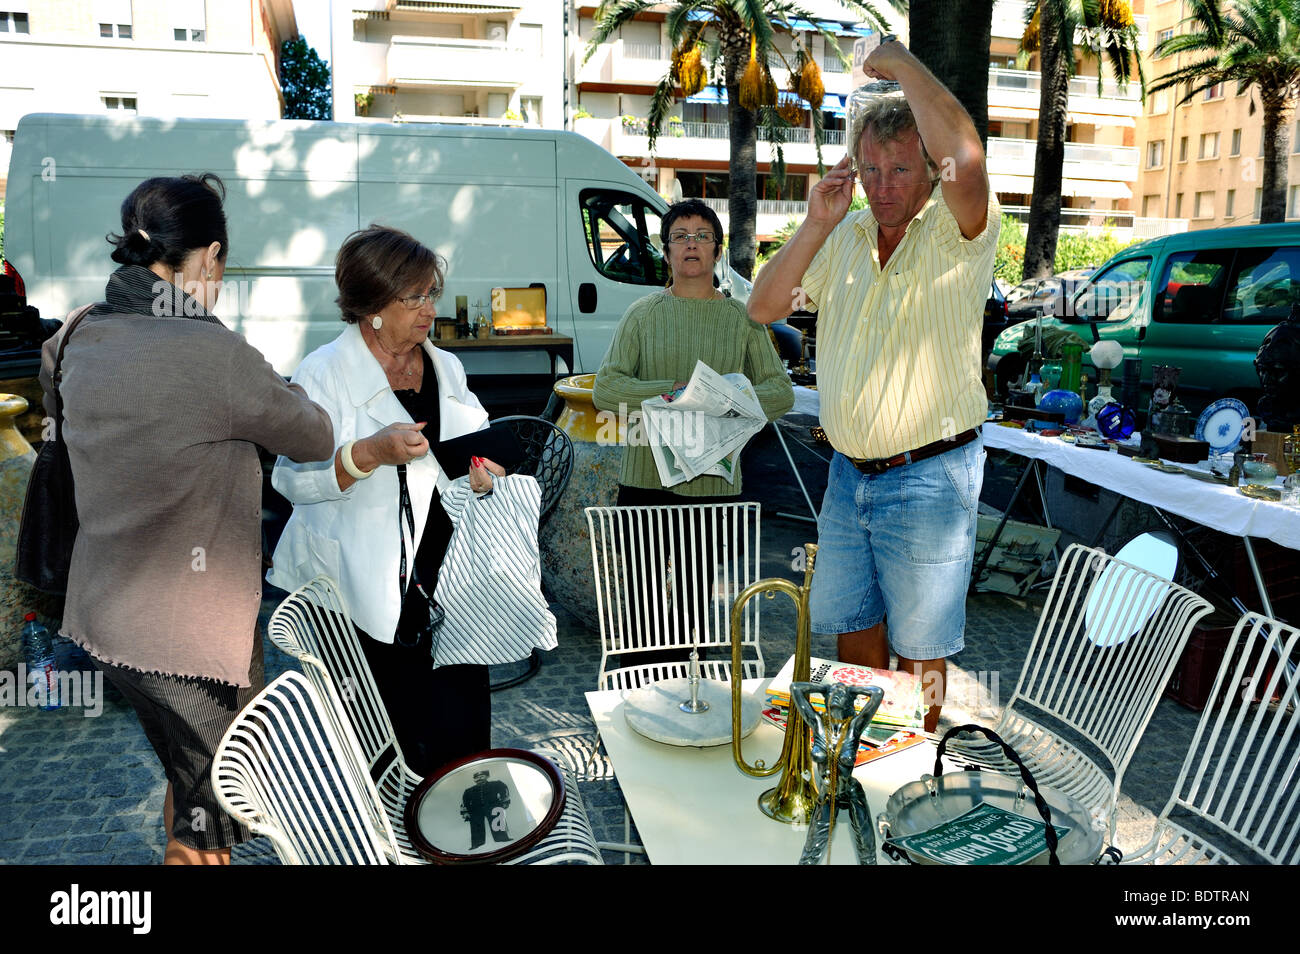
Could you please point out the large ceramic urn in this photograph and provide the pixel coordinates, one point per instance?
(565, 541)
(16, 599)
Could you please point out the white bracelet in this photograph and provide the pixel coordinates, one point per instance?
(355, 472)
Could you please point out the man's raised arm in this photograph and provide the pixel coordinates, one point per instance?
(946, 129)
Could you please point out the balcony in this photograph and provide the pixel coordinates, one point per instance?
(706, 141)
(1019, 90)
(1125, 226)
(441, 61)
(773, 214)
(1083, 161)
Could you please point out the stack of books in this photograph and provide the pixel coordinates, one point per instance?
(897, 724)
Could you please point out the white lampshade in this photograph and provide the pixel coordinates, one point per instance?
(1107, 354)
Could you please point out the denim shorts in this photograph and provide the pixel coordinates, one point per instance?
(899, 545)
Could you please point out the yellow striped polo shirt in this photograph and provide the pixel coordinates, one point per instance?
(898, 349)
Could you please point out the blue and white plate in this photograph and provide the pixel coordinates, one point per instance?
(1220, 425)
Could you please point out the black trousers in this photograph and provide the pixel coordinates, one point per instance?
(439, 715)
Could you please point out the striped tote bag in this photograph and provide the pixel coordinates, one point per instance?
(490, 584)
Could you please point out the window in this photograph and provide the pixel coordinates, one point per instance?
(1242, 87)
(1155, 154)
(704, 185)
(1265, 285)
(189, 20)
(7, 135)
(1229, 202)
(1150, 206)
(1236, 143)
(1164, 35)
(795, 188)
(622, 237)
(1113, 294)
(13, 21)
(531, 107)
(1209, 146)
(1191, 291)
(1214, 92)
(1178, 206)
(1295, 138)
(114, 18)
(1259, 201)
(1204, 206)
(1160, 101)
(1293, 203)
(1182, 149)
(116, 103)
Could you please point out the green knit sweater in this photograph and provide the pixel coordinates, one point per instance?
(657, 344)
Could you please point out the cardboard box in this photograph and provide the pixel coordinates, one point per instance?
(1273, 443)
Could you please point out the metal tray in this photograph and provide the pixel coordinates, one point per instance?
(921, 805)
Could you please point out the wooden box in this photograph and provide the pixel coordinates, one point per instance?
(1272, 443)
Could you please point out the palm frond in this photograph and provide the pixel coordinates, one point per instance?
(819, 134)
(660, 103)
(679, 21)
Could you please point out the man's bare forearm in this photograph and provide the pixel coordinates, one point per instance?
(775, 289)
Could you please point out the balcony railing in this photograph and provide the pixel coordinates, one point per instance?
(1023, 149)
(1080, 220)
(643, 51)
(832, 64)
(765, 206)
(694, 130)
(1031, 81)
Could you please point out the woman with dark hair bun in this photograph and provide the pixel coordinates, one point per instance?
(372, 519)
(164, 408)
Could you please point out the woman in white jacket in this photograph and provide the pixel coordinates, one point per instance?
(371, 517)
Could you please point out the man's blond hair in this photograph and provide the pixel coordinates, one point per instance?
(887, 119)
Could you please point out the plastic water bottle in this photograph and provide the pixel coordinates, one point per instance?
(38, 648)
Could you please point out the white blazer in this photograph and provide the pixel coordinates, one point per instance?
(352, 535)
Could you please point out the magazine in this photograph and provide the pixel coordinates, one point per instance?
(876, 742)
(702, 428)
(902, 706)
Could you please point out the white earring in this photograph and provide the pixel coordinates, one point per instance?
(376, 322)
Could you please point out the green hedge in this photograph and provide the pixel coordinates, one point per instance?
(1073, 250)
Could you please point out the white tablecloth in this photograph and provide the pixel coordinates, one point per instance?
(1211, 505)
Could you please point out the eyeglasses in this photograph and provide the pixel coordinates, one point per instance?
(417, 301)
(702, 237)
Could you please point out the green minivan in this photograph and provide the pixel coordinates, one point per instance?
(1201, 301)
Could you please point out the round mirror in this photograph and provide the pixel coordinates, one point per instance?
(485, 808)
(1120, 603)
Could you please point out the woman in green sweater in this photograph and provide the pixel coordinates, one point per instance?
(662, 336)
(654, 352)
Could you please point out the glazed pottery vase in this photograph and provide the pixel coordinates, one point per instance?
(565, 541)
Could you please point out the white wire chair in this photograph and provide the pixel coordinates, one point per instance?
(1107, 641)
(665, 579)
(1239, 777)
(313, 625)
(286, 771)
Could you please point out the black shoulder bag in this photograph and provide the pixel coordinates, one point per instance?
(49, 525)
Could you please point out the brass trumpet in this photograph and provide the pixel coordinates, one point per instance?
(792, 800)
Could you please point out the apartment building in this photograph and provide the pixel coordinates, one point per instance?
(1203, 161)
(612, 98)
(215, 58)
(480, 63)
(612, 92)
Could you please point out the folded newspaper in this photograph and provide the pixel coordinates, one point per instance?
(703, 428)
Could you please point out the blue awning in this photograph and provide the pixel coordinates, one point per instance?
(712, 95)
(838, 28)
(833, 104)
(798, 24)
(863, 31)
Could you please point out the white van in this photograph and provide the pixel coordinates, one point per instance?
(507, 207)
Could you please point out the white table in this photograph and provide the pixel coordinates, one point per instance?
(694, 806)
(1218, 507)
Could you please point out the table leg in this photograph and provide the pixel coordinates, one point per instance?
(795, 470)
(982, 560)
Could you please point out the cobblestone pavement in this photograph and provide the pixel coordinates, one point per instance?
(76, 790)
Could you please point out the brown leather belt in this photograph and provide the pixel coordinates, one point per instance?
(881, 465)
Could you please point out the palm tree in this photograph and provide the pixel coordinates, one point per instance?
(952, 40)
(1256, 43)
(732, 41)
(1106, 29)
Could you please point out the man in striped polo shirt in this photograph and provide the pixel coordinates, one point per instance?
(899, 289)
